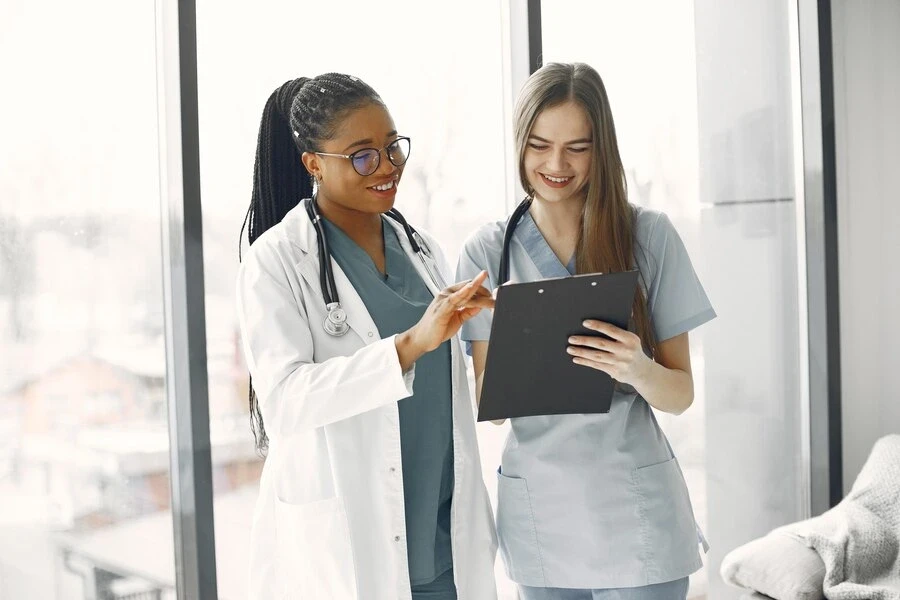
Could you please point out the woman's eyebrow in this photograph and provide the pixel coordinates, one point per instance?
(360, 143)
(578, 141)
(369, 140)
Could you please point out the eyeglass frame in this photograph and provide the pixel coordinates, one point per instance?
(378, 160)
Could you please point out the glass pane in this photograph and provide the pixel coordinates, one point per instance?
(84, 456)
(444, 94)
(700, 93)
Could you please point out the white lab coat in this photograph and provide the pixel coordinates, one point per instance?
(329, 522)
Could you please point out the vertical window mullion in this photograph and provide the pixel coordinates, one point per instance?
(820, 204)
(183, 284)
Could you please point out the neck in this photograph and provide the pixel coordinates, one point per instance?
(558, 219)
(362, 227)
(560, 224)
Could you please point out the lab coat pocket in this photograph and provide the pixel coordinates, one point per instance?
(668, 531)
(315, 557)
(516, 532)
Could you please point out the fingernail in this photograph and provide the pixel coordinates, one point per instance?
(572, 340)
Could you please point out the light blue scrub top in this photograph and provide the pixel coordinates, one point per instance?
(595, 501)
(396, 302)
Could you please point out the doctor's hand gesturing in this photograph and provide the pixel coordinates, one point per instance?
(452, 307)
(621, 355)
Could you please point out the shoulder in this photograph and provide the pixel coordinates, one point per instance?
(653, 237)
(269, 247)
(428, 238)
(432, 246)
(423, 237)
(487, 240)
(650, 226)
(276, 251)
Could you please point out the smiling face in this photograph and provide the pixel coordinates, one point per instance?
(557, 155)
(369, 126)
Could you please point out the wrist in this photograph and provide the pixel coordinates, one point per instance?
(408, 348)
(644, 373)
(415, 343)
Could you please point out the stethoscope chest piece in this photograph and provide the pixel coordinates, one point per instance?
(336, 320)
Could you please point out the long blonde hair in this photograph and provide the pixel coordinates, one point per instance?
(606, 239)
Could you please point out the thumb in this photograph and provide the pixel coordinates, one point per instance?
(468, 313)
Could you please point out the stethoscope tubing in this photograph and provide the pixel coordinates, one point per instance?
(336, 320)
(511, 224)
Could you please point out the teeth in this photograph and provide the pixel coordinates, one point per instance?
(385, 187)
(557, 179)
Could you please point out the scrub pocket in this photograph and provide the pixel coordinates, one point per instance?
(668, 531)
(516, 531)
(314, 554)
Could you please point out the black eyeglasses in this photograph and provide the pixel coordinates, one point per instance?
(366, 161)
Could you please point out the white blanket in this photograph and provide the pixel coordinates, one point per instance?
(859, 539)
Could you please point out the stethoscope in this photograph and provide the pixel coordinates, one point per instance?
(336, 320)
(514, 219)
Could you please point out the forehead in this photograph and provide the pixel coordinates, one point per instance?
(372, 120)
(566, 121)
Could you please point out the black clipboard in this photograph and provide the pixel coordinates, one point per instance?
(528, 371)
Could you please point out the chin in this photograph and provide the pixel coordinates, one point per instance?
(380, 205)
(554, 197)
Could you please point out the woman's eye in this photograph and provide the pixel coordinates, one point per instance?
(578, 150)
(537, 147)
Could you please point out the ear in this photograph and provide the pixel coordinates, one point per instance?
(312, 163)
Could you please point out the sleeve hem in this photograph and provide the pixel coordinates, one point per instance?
(686, 325)
(408, 377)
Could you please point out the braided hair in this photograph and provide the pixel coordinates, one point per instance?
(298, 116)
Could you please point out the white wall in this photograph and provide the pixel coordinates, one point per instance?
(866, 37)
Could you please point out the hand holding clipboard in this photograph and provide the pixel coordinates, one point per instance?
(529, 370)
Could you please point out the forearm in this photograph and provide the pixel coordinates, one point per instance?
(478, 380)
(298, 397)
(668, 390)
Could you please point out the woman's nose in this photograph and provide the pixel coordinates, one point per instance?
(557, 161)
(385, 166)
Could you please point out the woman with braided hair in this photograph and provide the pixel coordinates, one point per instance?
(372, 483)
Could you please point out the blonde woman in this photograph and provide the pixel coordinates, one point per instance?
(593, 506)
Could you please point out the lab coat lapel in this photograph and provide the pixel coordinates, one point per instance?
(357, 314)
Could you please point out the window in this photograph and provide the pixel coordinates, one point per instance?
(84, 484)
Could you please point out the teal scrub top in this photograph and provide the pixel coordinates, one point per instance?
(595, 501)
(396, 301)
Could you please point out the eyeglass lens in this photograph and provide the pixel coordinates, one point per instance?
(366, 161)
